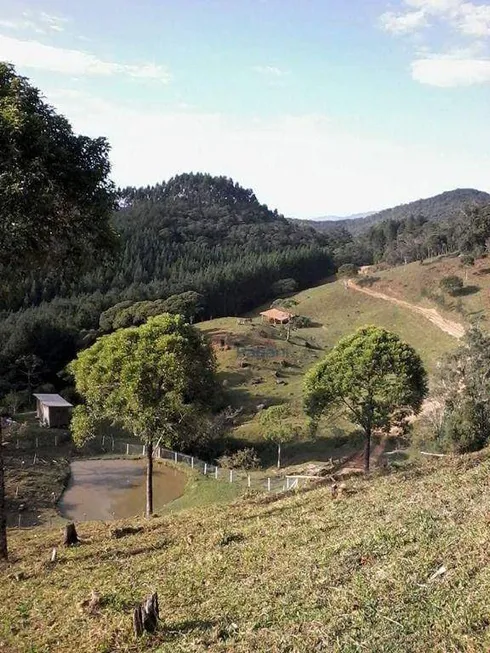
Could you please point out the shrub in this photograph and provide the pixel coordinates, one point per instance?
(241, 459)
(452, 284)
(348, 270)
(302, 322)
(366, 280)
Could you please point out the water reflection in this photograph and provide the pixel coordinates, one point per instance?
(115, 489)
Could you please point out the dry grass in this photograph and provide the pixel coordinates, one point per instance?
(298, 573)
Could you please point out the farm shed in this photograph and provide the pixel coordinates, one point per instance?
(275, 316)
(52, 410)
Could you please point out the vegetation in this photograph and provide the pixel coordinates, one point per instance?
(452, 284)
(153, 380)
(276, 429)
(376, 377)
(55, 199)
(395, 564)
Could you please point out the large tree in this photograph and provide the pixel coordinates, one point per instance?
(55, 198)
(378, 379)
(153, 380)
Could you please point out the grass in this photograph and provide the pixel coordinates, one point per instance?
(302, 572)
(419, 283)
(336, 312)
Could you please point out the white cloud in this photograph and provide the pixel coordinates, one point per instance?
(40, 23)
(36, 55)
(474, 20)
(465, 25)
(304, 165)
(446, 72)
(402, 23)
(272, 71)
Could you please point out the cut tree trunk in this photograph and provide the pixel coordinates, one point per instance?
(146, 615)
(149, 479)
(279, 456)
(3, 514)
(367, 452)
(71, 536)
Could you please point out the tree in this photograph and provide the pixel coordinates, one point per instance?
(378, 379)
(55, 198)
(461, 390)
(152, 380)
(275, 429)
(467, 261)
(451, 284)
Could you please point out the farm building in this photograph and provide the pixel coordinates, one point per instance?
(52, 410)
(275, 316)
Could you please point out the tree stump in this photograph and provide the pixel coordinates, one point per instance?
(71, 536)
(146, 615)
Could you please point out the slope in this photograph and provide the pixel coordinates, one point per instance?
(439, 207)
(398, 564)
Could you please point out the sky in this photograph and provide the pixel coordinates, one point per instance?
(323, 107)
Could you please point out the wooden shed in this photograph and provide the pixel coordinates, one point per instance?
(275, 316)
(53, 411)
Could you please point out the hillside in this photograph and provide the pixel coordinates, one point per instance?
(194, 233)
(444, 206)
(419, 283)
(275, 368)
(396, 564)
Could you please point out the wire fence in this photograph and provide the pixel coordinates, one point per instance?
(107, 444)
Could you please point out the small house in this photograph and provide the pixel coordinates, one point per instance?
(53, 411)
(275, 316)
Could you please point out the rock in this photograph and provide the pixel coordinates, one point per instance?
(261, 407)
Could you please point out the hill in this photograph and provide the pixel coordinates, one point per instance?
(397, 563)
(193, 233)
(444, 206)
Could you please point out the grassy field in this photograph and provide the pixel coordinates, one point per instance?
(419, 283)
(398, 564)
(278, 378)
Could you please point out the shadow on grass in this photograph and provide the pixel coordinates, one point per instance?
(468, 290)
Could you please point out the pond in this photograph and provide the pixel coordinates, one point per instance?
(116, 489)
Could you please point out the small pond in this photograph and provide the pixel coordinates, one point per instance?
(116, 489)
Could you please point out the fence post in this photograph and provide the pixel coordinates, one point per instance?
(192, 462)
(112, 443)
(35, 458)
(231, 476)
(127, 449)
(37, 442)
(144, 447)
(248, 480)
(216, 472)
(269, 484)
(55, 440)
(175, 456)
(103, 440)
(205, 469)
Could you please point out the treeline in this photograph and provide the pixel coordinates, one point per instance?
(197, 244)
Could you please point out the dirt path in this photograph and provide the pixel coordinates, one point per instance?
(453, 329)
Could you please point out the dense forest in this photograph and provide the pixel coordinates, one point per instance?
(198, 244)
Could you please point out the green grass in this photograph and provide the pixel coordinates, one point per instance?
(302, 572)
(336, 312)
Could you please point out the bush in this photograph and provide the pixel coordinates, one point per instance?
(302, 322)
(453, 284)
(465, 427)
(366, 280)
(241, 459)
(348, 270)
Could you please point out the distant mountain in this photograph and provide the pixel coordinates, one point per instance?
(336, 218)
(440, 207)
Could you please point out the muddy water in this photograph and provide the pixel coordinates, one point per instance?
(115, 489)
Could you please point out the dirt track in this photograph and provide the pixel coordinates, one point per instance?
(453, 329)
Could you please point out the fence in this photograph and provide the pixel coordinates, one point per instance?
(111, 445)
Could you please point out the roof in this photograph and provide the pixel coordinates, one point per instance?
(275, 314)
(53, 400)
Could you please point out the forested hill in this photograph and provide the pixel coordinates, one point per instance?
(197, 244)
(444, 206)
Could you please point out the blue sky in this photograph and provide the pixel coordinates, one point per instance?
(321, 106)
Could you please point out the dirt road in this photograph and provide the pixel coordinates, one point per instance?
(453, 329)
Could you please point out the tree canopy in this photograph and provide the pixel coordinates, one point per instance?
(152, 380)
(56, 196)
(378, 379)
